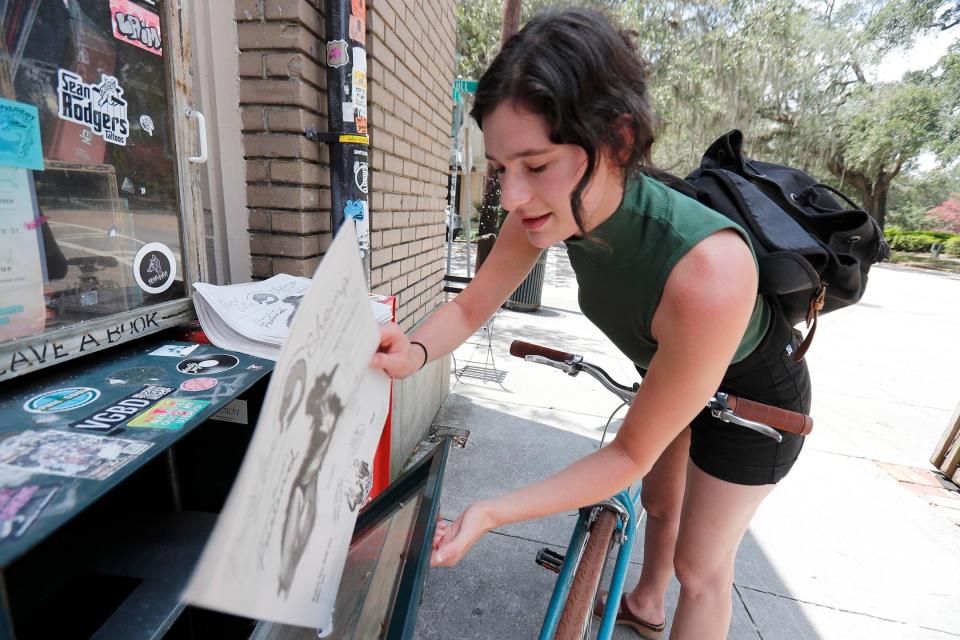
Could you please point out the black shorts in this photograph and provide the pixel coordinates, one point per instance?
(769, 374)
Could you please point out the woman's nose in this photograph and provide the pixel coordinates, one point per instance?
(514, 191)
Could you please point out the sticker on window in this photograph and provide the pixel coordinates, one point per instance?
(99, 107)
(146, 123)
(20, 144)
(135, 25)
(154, 267)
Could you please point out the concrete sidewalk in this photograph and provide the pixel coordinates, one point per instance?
(852, 545)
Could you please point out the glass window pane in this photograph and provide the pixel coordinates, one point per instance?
(97, 231)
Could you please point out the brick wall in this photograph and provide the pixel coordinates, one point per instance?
(283, 92)
(411, 52)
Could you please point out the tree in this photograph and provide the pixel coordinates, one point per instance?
(947, 215)
(479, 21)
(898, 22)
(792, 76)
(913, 194)
(880, 128)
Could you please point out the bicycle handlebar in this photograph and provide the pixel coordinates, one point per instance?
(724, 406)
(522, 349)
(776, 417)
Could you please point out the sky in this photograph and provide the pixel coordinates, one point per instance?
(924, 53)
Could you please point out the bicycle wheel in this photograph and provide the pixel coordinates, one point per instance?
(575, 618)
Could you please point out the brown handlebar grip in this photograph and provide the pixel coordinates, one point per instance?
(522, 349)
(774, 416)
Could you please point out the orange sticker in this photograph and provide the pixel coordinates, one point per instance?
(359, 8)
(361, 123)
(358, 30)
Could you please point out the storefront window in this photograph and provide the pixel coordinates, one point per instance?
(90, 223)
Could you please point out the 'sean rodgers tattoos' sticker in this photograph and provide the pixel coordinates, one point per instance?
(154, 267)
(99, 107)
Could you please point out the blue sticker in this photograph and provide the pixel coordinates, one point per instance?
(20, 144)
(353, 209)
(61, 400)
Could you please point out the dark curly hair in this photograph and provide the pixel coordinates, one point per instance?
(586, 79)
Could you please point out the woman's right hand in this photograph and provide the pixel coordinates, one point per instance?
(396, 356)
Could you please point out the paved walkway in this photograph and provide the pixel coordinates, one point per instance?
(850, 546)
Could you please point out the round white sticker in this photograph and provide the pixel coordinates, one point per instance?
(154, 267)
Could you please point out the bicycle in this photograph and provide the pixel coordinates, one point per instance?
(614, 521)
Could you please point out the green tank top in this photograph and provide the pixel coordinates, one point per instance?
(623, 264)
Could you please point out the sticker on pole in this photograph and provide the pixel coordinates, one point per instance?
(338, 53)
(360, 175)
(154, 267)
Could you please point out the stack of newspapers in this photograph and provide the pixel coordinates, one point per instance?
(255, 317)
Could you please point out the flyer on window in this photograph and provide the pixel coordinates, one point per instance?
(22, 309)
(278, 550)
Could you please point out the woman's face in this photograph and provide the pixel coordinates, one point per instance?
(538, 176)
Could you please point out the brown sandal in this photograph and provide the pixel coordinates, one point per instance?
(645, 630)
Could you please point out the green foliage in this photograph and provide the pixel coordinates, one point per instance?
(883, 125)
(791, 75)
(952, 247)
(479, 24)
(913, 195)
(917, 241)
(898, 22)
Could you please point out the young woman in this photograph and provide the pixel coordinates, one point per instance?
(673, 284)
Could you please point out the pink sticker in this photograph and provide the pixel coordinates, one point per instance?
(135, 25)
(358, 30)
(199, 384)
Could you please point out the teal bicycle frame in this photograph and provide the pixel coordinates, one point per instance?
(625, 505)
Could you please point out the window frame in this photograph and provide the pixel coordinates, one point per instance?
(31, 353)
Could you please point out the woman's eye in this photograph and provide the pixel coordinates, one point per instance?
(539, 169)
(497, 170)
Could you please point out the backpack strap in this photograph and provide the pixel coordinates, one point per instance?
(813, 314)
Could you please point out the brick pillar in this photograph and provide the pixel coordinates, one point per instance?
(410, 47)
(282, 94)
(410, 63)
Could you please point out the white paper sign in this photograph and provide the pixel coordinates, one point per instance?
(22, 309)
(279, 547)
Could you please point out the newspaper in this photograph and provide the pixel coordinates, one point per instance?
(278, 550)
(255, 317)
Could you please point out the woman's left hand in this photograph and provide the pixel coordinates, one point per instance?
(452, 540)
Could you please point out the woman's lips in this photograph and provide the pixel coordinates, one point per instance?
(532, 224)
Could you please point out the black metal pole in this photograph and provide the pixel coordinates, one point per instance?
(346, 58)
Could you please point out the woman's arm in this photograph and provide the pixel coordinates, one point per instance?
(705, 308)
(511, 259)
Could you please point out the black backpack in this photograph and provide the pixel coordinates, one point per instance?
(813, 253)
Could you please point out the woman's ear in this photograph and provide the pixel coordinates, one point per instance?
(623, 130)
